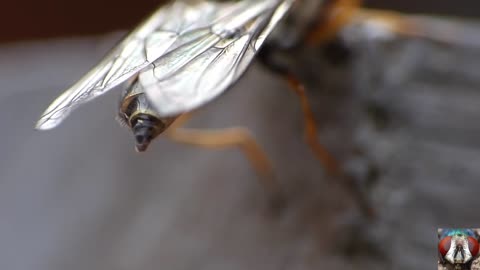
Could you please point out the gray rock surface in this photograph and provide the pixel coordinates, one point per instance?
(79, 197)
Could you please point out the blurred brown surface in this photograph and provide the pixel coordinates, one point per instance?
(30, 19)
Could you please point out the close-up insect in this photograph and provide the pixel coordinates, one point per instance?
(458, 247)
(338, 134)
(186, 54)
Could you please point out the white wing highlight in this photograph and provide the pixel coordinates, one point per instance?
(189, 77)
(186, 55)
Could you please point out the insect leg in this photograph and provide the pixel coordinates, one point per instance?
(328, 161)
(331, 165)
(227, 137)
(331, 19)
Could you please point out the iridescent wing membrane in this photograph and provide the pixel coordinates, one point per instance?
(184, 55)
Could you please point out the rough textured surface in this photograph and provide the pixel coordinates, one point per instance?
(79, 197)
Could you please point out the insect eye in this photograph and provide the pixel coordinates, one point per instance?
(444, 245)
(473, 245)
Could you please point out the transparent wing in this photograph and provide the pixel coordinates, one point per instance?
(170, 27)
(196, 72)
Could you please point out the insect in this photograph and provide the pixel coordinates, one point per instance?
(211, 43)
(187, 54)
(458, 247)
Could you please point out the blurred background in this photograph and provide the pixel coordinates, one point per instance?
(53, 18)
(400, 113)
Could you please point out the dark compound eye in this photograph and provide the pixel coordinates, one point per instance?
(473, 245)
(444, 245)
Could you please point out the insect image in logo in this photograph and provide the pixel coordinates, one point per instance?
(458, 249)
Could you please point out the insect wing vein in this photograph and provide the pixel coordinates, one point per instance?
(178, 39)
(124, 61)
(185, 78)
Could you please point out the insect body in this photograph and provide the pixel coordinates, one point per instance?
(183, 56)
(458, 247)
(137, 113)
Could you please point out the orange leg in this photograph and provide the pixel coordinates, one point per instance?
(228, 137)
(328, 161)
(332, 18)
(330, 164)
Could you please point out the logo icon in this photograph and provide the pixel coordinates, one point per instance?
(458, 248)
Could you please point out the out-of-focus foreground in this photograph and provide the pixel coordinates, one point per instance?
(79, 197)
